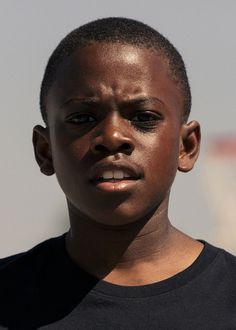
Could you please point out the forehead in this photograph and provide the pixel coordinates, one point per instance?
(116, 71)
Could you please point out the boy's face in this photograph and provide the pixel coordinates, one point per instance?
(114, 111)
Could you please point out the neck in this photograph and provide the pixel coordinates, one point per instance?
(112, 252)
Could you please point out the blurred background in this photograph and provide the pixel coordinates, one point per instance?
(203, 202)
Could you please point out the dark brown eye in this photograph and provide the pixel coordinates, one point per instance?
(82, 118)
(144, 117)
(146, 121)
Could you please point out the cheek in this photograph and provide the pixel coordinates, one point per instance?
(161, 161)
(67, 150)
(67, 156)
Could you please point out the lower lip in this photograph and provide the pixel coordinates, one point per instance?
(119, 186)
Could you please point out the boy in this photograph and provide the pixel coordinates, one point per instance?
(115, 100)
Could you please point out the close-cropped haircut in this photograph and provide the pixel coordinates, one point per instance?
(123, 31)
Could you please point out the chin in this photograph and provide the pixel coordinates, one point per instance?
(123, 215)
(114, 213)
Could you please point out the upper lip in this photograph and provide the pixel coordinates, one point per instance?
(132, 170)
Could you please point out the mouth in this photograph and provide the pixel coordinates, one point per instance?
(115, 185)
(114, 178)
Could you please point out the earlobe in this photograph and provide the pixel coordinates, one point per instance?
(189, 146)
(42, 150)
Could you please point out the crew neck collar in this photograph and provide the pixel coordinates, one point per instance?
(205, 258)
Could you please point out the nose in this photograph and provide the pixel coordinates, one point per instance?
(112, 138)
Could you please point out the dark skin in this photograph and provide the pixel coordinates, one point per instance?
(117, 103)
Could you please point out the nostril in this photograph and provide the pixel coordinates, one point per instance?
(112, 146)
(126, 146)
(100, 147)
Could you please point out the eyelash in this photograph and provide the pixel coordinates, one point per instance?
(70, 120)
(150, 116)
(151, 121)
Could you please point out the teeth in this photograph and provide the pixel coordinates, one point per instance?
(107, 175)
(116, 174)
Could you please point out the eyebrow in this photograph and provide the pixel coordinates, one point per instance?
(140, 100)
(81, 100)
(95, 101)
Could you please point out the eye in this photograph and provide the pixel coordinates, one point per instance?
(82, 118)
(146, 121)
(145, 116)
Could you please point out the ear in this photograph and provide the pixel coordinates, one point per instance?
(189, 146)
(42, 149)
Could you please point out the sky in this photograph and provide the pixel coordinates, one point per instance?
(33, 206)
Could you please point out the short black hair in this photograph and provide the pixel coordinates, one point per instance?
(117, 30)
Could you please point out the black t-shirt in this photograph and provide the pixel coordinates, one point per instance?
(44, 289)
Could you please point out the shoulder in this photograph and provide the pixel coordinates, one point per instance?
(24, 265)
(222, 266)
(23, 284)
(229, 262)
